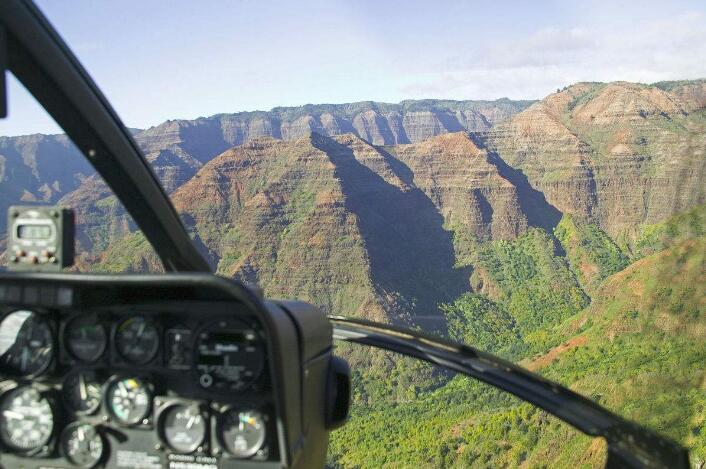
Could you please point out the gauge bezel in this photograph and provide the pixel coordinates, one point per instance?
(66, 341)
(64, 434)
(218, 423)
(46, 447)
(115, 334)
(65, 398)
(109, 409)
(214, 326)
(162, 408)
(44, 317)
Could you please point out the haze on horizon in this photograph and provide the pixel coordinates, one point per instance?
(166, 60)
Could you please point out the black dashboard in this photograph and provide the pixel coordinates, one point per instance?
(147, 374)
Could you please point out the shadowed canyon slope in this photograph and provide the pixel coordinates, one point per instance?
(341, 222)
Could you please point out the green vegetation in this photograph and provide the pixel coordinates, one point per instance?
(636, 349)
(582, 98)
(464, 241)
(537, 286)
(593, 256)
(133, 253)
(659, 236)
(463, 424)
(676, 84)
(475, 320)
(102, 222)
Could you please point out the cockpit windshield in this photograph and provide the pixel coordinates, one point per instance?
(528, 179)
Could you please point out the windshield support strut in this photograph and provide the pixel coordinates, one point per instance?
(629, 445)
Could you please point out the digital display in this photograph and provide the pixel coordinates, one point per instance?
(34, 231)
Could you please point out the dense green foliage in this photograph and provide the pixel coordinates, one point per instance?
(536, 286)
(675, 84)
(475, 320)
(463, 424)
(583, 98)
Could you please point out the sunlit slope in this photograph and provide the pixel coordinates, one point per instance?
(614, 154)
(644, 350)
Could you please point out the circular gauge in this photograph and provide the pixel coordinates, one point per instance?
(26, 344)
(242, 433)
(82, 392)
(27, 421)
(137, 340)
(82, 445)
(183, 427)
(85, 338)
(128, 400)
(229, 356)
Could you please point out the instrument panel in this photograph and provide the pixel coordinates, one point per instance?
(139, 386)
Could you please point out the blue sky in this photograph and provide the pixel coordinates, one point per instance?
(159, 60)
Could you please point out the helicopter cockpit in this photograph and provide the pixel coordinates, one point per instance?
(187, 369)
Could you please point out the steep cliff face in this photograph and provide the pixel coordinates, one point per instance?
(47, 168)
(100, 218)
(465, 184)
(273, 213)
(301, 217)
(617, 154)
(322, 219)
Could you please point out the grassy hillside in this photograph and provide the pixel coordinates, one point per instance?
(636, 349)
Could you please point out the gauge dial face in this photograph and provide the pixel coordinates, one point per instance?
(26, 344)
(85, 338)
(242, 433)
(82, 445)
(128, 400)
(229, 356)
(137, 340)
(27, 421)
(82, 392)
(183, 427)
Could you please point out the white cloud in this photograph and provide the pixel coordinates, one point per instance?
(533, 66)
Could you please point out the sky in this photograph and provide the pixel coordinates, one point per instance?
(177, 59)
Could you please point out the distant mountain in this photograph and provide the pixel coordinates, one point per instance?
(47, 167)
(177, 147)
(616, 155)
(38, 168)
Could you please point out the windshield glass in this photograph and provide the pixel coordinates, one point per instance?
(42, 169)
(529, 180)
